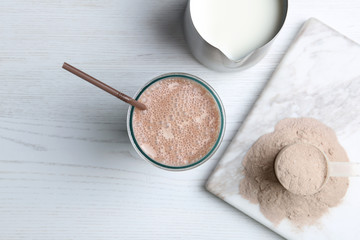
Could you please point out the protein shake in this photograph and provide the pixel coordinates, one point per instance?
(182, 123)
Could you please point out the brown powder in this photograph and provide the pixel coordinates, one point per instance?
(301, 168)
(261, 186)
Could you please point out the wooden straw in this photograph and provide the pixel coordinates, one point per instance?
(103, 86)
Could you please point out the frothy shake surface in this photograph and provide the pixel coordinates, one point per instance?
(181, 123)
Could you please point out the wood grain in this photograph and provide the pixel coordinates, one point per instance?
(67, 168)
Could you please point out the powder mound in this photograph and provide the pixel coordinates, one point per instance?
(301, 168)
(261, 186)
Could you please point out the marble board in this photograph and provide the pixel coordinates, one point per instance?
(319, 77)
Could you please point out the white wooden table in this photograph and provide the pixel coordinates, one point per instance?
(67, 168)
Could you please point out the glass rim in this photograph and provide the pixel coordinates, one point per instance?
(218, 140)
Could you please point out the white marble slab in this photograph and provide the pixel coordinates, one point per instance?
(318, 77)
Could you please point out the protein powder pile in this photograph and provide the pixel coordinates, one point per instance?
(261, 186)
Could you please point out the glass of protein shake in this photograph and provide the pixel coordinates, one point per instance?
(183, 125)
